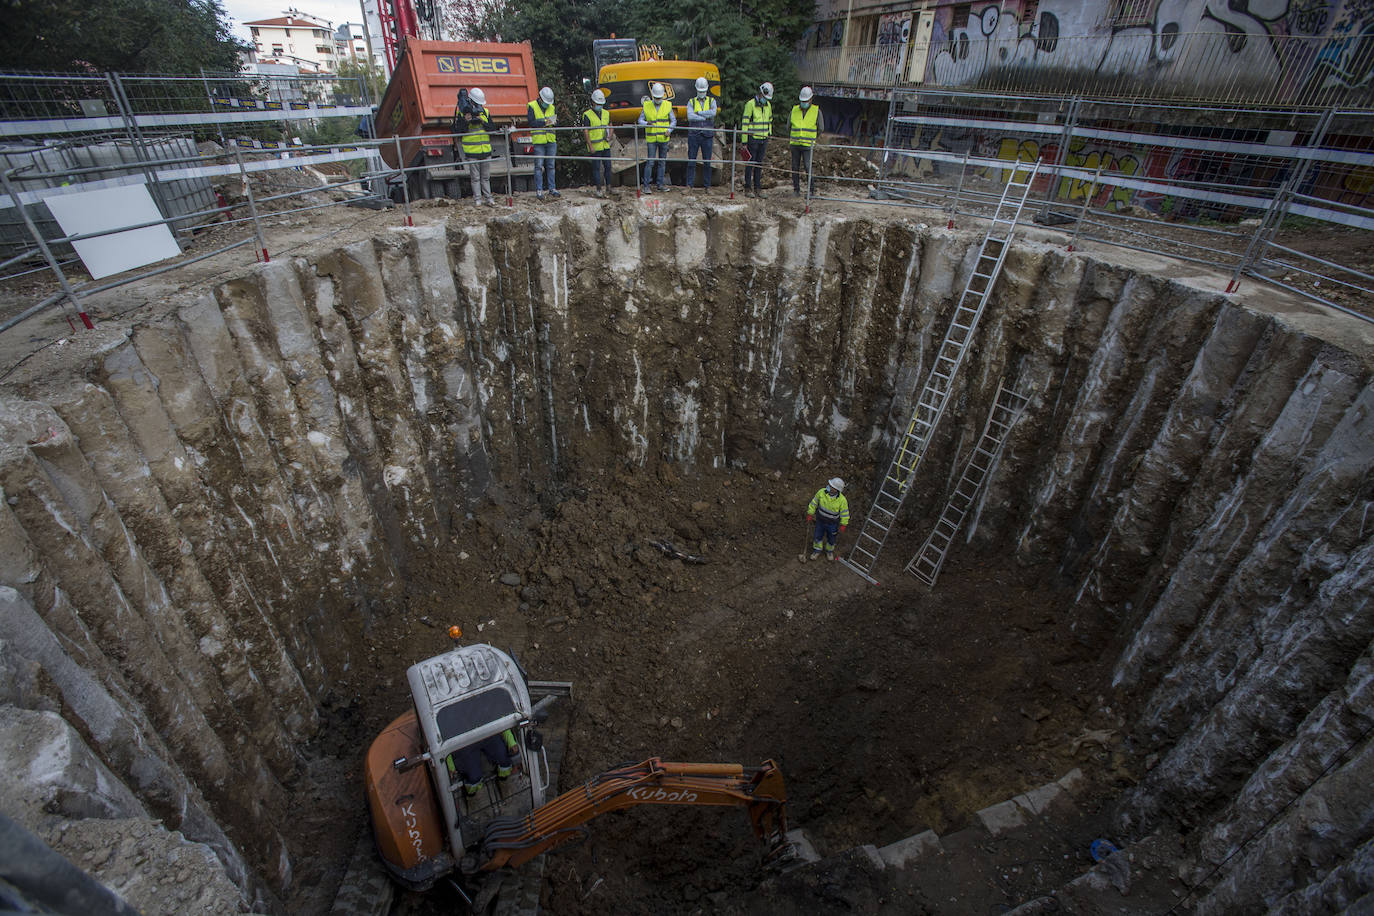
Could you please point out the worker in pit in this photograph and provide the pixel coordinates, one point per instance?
(658, 120)
(466, 762)
(805, 124)
(701, 133)
(541, 114)
(830, 511)
(757, 125)
(598, 136)
(477, 146)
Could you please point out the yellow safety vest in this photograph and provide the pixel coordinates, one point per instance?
(540, 113)
(477, 142)
(829, 508)
(657, 129)
(700, 106)
(758, 119)
(804, 125)
(597, 136)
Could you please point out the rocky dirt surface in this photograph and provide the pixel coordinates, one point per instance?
(890, 711)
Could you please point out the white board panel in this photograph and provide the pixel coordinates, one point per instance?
(110, 208)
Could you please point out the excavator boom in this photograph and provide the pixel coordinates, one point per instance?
(514, 841)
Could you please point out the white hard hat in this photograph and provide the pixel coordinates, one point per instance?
(598, 97)
(836, 483)
(546, 95)
(702, 85)
(805, 94)
(478, 96)
(656, 90)
(766, 90)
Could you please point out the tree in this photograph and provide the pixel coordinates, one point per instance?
(372, 76)
(130, 36)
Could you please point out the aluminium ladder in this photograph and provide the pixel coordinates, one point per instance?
(930, 407)
(1006, 410)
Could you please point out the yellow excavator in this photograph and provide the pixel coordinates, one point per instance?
(624, 70)
(436, 808)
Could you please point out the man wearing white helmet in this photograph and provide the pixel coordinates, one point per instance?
(757, 125)
(542, 115)
(658, 120)
(830, 511)
(805, 124)
(701, 132)
(598, 136)
(477, 145)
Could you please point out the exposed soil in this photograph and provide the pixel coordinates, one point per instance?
(890, 711)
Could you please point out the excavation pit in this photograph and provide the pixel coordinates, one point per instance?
(229, 530)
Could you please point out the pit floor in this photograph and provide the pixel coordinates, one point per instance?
(891, 710)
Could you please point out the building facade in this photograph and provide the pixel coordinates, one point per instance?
(296, 38)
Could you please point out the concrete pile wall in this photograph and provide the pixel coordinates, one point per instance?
(201, 516)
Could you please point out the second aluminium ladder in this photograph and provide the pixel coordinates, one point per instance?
(1006, 410)
(930, 407)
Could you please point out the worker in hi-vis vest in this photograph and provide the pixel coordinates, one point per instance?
(477, 147)
(805, 124)
(598, 135)
(658, 120)
(757, 125)
(541, 114)
(701, 133)
(830, 511)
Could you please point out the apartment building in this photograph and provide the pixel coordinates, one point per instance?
(296, 38)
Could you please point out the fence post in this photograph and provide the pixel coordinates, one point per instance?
(958, 190)
(1065, 138)
(510, 168)
(126, 113)
(210, 103)
(47, 252)
(891, 113)
(405, 180)
(734, 157)
(1083, 212)
(252, 204)
(639, 187)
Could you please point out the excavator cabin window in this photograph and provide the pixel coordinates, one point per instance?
(471, 712)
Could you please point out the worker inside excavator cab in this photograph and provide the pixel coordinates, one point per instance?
(465, 764)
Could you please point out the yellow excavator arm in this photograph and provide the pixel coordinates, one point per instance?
(509, 842)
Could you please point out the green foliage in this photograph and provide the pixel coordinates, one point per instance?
(372, 76)
(130, 36)
(749, 43)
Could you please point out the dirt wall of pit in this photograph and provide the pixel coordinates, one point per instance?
(204, 515)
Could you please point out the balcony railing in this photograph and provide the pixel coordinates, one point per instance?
(1212, 67)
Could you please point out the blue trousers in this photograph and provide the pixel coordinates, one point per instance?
(658, 152)
(544, 154)
(756, 150)
(699, 141)
(601, 163)
(826, 532)
(468, 760)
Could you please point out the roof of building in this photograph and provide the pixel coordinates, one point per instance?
(298, 21)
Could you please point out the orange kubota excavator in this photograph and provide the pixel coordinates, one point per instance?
(433, 814)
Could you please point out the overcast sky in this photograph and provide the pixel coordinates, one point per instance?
(336, 11)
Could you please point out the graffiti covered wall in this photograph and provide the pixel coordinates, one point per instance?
(1298, 49)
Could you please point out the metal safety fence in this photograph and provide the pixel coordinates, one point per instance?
(1086, 199)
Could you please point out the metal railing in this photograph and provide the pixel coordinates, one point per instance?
(1080, 199)
(1204, 66)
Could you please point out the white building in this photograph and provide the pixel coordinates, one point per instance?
(296, 38)
(350, 41)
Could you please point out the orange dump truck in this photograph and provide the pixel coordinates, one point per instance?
(421, 102)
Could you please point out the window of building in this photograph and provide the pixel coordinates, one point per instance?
(323, 49)
(277, 51)
(1131, 12)
(254, 30)
(959, 20)
(1028, 10)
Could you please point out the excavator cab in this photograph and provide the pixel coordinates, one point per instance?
(428, 818)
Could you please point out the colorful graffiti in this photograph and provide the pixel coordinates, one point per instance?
(1293, 47)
